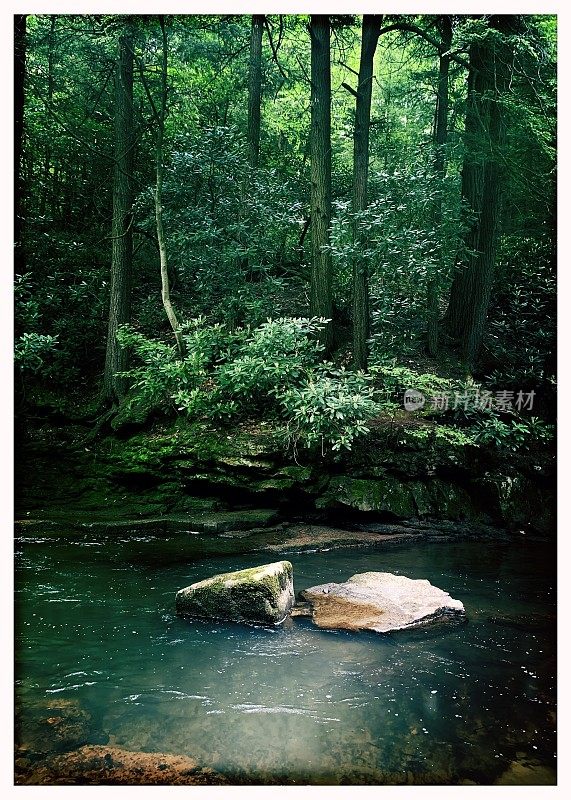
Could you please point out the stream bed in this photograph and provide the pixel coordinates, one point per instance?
(96, 633)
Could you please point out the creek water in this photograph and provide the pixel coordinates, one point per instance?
(95, 624)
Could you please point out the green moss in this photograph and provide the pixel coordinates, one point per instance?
(402, 498)
(516, 500)
(274, 484)
(246, 595)
(244, 463)
(450, 501)
(297, 473)
(386, 494)
(183, 447)
(422, 498)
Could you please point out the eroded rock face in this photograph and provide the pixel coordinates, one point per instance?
(381, 602)
(260, 594)
(403, 499)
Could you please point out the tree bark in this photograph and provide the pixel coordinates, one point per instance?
(162, 111)
(114, 386)
(361, 325)
(255, 90)
(321, 297)
(481, 186)
(19, 80)
(440, 140)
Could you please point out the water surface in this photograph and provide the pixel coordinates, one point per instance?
(95, 624)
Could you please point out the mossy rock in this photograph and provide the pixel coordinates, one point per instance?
(242, 462)
(296, 473)
(517, 501)
(422, 498)
(260, 594)
(273, 484)
(188, 503)
(450, 501)
(402, 499)
(246, 519)
(385, 495)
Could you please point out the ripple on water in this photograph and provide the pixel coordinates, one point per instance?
(101, 628)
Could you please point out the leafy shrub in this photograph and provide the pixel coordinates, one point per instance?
(27, 309)
(163, 379)
(32, 350)
(276, 354)
(402, 249)
(331, 407)
(446, 435)
(231, 239)
(273, 369)
(153, 382)
(513, 435)
(65, 297)
(393, 381)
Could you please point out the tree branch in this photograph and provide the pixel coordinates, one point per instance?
(354, 71)
(349, 89)
(274, 49)
(409, 28)
(146, 87)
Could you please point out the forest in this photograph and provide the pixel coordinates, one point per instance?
(288, 279)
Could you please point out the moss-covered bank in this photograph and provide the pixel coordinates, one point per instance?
(242, 478)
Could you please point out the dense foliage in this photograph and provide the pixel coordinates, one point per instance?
(238, 237)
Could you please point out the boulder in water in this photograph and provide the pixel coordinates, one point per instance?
(381, 602)
(259, 594)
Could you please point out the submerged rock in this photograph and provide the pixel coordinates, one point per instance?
(53, 725)
(381, 602)
(93, 765)
(259, 594)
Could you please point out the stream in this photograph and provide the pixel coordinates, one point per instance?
(474, 703)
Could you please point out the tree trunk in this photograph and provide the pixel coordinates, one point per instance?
(19, 78)
(50, 96)
(162, 111)
(471, 190)
(481, 187)
(255, 90)
(370, 36)
(321, 298)
(440, 140)
(114, 386)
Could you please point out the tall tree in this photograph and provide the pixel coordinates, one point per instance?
(370, 36)
(440, 140)
(19, 78)
(121, 228)
(255, 89)
(161, 116)
(321, 297)
(488, 79)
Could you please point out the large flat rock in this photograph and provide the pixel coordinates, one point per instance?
(259, 594)
(381, 602)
